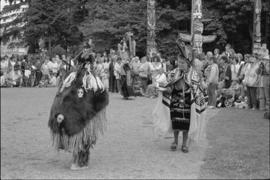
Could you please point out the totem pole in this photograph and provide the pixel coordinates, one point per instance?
(151, 26)
(196, 39)
(257, 26)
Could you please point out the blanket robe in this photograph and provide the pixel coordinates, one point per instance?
(198, 107)
(161, 113)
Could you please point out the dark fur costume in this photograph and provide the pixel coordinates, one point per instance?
(84, 116)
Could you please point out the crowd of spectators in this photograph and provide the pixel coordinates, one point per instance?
(237, 80)
(33, 70)
(233, 79)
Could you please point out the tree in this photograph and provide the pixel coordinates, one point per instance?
(109, 20)
(237, 20)
(55, 22)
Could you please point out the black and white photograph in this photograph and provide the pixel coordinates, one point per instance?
(135, 89)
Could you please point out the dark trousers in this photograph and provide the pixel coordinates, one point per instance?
(38, 77)
(212, 97)
(252, 96)
(144, 83)
(118, 82)
(112, 84)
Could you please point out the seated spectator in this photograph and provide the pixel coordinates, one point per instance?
(15, 80)
(3, 80)
(212, 82)
(144, 74)
(252, 80)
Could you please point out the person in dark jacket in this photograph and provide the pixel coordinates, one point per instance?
(228, 75)
(112, 79)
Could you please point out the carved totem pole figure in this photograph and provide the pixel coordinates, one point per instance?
(257, 26)
(196, 39)
(151, 27)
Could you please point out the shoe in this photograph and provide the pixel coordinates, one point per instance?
(211, 107)
(184, 149)
(174, 146)
(76, 167)
(253, 109)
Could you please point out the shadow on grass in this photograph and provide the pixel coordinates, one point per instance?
(238, 146)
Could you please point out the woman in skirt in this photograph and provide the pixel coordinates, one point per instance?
(180, 104)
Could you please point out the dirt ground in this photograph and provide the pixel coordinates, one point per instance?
(238, 146)
(128, 148)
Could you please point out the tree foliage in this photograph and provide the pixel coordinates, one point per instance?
(231, 21)
(68, 22)
(109, 20)
(54, 21)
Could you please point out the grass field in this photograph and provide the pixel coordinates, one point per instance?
(238, 146)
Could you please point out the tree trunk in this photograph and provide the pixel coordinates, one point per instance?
(50, 46)
(267, 24)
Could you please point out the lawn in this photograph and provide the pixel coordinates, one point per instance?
(238, 146)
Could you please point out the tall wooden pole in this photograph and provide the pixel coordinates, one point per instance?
(257, 26)
(151, 27)
(196, 26)
(196, 39)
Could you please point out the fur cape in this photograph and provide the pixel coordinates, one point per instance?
(78, 110)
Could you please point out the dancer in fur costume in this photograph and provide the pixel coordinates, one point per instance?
(78, 113)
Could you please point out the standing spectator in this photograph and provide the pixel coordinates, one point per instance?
(212, 82)
(37, 71)
(170, 65)
(227, 74)
(126, 85)
(144, 72)
(16, 79)
(251, 80)
(234, 68)
(241, 72)
(209, 54)
(4, 69)
(57, 60)
(27, 74)
(99, 67)
(63, 57)
(264, 96)
(45, 72)
(135, 66)
(155, 68)
(11, 72)
(112, 79)
(54, 65)
(227, 50)
(117, 73)
(216, 54)
(2, 80)
(105, 76)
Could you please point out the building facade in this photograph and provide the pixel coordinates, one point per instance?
(11, 18)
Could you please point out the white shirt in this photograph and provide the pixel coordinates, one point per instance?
(117, 70)
(53, 66)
